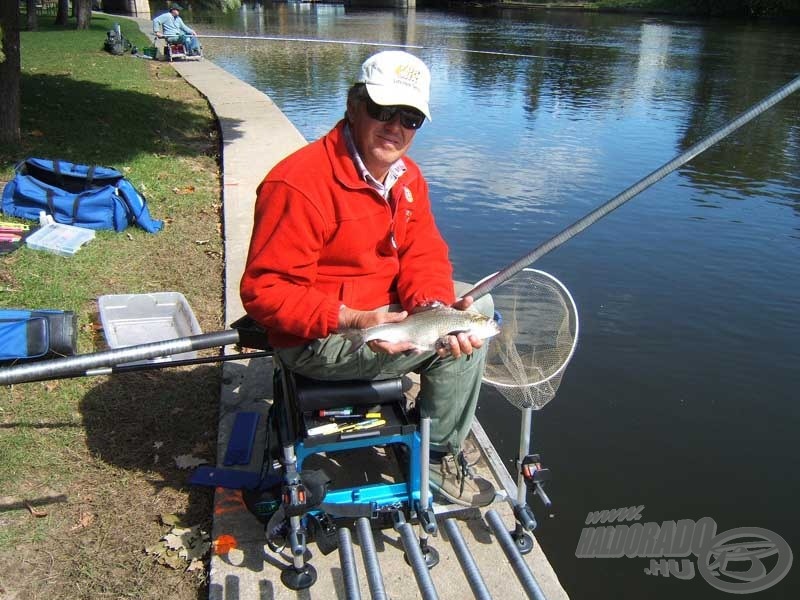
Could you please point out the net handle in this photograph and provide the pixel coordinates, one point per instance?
(571, 303)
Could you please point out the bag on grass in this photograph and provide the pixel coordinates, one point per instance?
(36, 333)
(88, 196)
(116, 43)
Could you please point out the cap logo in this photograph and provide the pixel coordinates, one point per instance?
(407, 75)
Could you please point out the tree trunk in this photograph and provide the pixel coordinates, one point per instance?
(62, 16)
(9, 73)
(30, 6)
(83, 13)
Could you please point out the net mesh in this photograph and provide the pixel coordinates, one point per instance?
(539, 331)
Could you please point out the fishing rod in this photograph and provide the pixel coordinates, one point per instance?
(99, 363)
(374, 44)
(578, 226)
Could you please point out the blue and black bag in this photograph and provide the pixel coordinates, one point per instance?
(28, 334)
(88, 196)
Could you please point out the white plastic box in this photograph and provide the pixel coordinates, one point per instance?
(64, 240)
(133, 319)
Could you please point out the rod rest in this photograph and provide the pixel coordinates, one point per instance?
(251, 334)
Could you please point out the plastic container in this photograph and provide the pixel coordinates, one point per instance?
(64, 240)
(133, 319)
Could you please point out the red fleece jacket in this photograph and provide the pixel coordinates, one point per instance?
(322, 237)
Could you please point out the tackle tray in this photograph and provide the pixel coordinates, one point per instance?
(397, 423)
(64, 240)
(133, 319)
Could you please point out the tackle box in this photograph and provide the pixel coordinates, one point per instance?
(64, 240)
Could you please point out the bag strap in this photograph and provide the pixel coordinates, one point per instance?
(57, 172)
(89, 177)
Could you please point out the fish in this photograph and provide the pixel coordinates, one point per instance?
(426, 328)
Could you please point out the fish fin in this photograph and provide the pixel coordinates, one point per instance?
(355, 337)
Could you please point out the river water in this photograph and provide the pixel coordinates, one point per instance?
(682, 394)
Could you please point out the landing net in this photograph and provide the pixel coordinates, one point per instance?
(538, 335)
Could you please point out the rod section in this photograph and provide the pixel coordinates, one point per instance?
(348, 562)
(578, 226)
(71, 366)
(371, 564)
(467, 562)
(514, 557)
(417, 561)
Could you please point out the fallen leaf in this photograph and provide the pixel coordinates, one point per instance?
(189, 189)
(195, 565)
(187, 461)
(84, 520)
(169, 519)
(199, 447)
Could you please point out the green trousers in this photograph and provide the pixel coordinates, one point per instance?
(449, 387)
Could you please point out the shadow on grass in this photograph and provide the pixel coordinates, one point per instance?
(140, 422)
(96, 122)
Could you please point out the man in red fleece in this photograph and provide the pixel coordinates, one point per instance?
(344, 237)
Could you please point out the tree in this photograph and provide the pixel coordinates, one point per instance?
(83, 13)
(9, 73)
(62, 16)
(30, 7)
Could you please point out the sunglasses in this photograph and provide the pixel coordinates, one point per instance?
(410, 118)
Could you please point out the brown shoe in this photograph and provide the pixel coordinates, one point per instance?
(453, 480)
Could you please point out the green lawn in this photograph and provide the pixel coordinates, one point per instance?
(86, 464)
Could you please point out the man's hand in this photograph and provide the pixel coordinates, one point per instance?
(159, 35)
(363, 319)
(459, 344)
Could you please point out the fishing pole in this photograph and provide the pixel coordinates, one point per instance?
(578, 226)
(374, 44)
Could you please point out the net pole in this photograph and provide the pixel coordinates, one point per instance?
(578, 226)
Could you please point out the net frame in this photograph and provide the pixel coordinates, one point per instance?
(519, 386)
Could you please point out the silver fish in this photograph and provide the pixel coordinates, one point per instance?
(424, 329)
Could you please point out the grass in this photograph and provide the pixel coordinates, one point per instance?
(86, 464)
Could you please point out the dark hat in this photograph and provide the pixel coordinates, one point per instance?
(175, 6)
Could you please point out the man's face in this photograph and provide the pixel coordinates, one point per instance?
(379, 143)
(175, 12)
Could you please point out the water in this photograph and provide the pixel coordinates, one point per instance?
(681, 396)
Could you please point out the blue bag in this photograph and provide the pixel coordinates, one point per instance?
(88, 196)
(36, 333)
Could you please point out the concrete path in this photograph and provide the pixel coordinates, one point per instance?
(255, 136)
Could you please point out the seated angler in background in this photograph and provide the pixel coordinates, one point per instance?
(344, 237)
(171, 27)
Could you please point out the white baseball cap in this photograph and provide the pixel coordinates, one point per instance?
(397, 78)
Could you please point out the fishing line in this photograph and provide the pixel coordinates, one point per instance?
(578, 226)
(377, 44)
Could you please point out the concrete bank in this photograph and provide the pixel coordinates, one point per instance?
(256, 135)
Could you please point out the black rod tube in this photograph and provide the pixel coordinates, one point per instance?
(513, 555)
(467, 562)
(70, 366)
(348, 562)
(417, 560)
(578, 226)
(371, 564)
